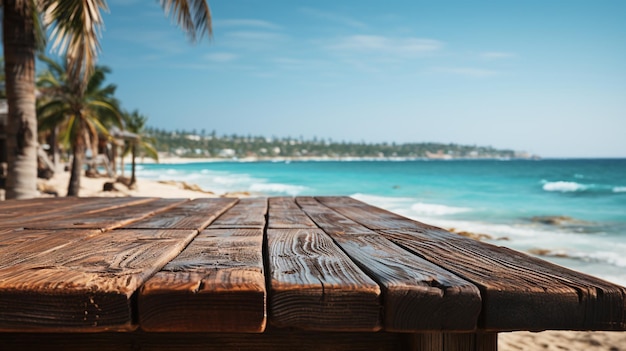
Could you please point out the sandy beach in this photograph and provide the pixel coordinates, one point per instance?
(144, 188)
(514, 341)
(562, 340)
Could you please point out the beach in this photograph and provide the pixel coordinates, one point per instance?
(562, 340)
(549, 340)
(93, 186)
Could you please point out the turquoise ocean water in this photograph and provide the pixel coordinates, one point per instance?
(574, 209)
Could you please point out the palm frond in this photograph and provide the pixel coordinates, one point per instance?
(39, 30)
(52, 64)
(96, 127)
(51, 114)
(150, 151)
(109, 90)
(96, 79)
(108, 110)
(67, 136)
(76, 29)
(47, 80)
(193, 16)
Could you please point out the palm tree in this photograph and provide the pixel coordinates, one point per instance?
(135, 123)
(19, 51)
(81, 113)
(2, 92)
(75, 29)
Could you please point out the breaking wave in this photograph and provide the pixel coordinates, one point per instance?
(574, 187)
(425, 209)
(408, 206)
(564, 187)
(277, 188)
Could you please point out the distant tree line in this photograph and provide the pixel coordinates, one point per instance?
(196, 143)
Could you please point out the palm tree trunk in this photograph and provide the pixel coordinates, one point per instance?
(19, 53)
(55, 148)
(133, 155)
(77, 167)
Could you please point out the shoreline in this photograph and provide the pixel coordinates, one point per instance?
(185, 160)
(94, 187)
(169, 159)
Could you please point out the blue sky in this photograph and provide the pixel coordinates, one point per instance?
(547, 77)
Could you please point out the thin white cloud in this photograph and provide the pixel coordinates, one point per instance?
(291, 63)
(497, 55)
(298, 64)
(254, 23)
(162, 41)
(221, 57)
(410, 46)
(252, 40)
(466, 71)
(334, 17)
(254, 35)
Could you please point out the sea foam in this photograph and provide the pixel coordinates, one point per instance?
(564, 187)
(277, 188)
(426, 209)
(612, 258)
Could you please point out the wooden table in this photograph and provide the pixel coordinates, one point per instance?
(279, 273)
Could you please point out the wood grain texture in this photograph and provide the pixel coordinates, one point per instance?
(215, 285)
(17, 246)
(109, 219)
(369, 216)
(59, 208)
(247, 213)
(282, 203)
(195, 214)
(85, 286)
(315, 286)
(519, 292)
(270, 340)
(56, 279)
(11, 209)
(419, 295)
(284, 213)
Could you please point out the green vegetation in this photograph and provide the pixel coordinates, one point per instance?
(135, 123)
(82, 113)
(194, 144)
(75, 27)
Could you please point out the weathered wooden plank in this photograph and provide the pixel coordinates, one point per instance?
(519, 292)
(9, 207)
(271, 340)
(215, 285)
(109, 219)
(283, 203)
(88, 285)
(247, 213)
(372, 217)
(284, 213)
(315, 286)
(419, 295)
(195, 214)
(64, 207)
(17, 246)
(334, 222)
(289, 219)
